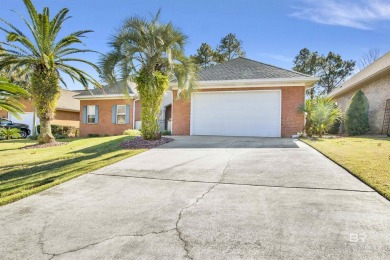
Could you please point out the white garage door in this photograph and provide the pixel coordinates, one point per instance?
(240, 113)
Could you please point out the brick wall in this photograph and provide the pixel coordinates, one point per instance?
(68, 118)
(292, 120)
(181, 115)
(137, 110)
(377, 92)
(105, 125)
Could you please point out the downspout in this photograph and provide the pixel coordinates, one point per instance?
(134, 112)
(34, 130)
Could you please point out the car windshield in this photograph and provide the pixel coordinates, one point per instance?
(5, 122)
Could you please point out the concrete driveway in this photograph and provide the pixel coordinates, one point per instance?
(204, 198)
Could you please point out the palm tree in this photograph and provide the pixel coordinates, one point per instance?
(321, 114)
(150, 54)
(9, 95)
(45, 58)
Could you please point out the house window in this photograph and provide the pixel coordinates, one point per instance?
(121, 114)
(91, 114)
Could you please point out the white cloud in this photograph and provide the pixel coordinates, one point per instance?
(360, 14)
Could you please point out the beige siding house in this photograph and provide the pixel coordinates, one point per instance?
(374, 81)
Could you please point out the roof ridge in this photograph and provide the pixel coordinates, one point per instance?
(267, 64)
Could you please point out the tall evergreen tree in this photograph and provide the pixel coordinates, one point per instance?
(307, 62)
(331, 69)
(205, 56)
(229, 48)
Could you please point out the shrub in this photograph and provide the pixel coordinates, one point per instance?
(321, 114)
(356, 117)
(68, 131)
(165, 132)
(58, 136)
(9, 133)
(33, 137)
(335, 128)
(93, 135)
(132, 132)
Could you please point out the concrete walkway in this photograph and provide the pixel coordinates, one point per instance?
(204, 198)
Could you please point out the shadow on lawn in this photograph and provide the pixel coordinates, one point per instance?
(41, 174)
(22, 175)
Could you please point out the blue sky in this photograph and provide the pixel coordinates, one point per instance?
(273, 31)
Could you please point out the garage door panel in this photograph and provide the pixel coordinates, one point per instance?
(249, 113)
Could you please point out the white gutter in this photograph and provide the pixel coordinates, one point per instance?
(301, 81)
(109, 96)
(134, 100)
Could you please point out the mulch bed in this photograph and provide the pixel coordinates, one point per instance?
(36, 146)
(140, 143)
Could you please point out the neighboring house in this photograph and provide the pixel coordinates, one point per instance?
(110, 112)
(374, 81)
(67, 111)
(242, 97)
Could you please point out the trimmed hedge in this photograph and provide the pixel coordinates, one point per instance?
(61, 130)
(356, 118)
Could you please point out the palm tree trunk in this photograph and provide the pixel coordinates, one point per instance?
(151, 89)
(45, 92)
(150, 112)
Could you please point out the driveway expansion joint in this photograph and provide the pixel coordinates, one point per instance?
(231, 183)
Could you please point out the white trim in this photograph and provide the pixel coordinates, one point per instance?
(110, 96)
(94, 123)
(342, 89)
(276, 82)
(245, 91)
(117, 114)
(134, 100)
(172, 116)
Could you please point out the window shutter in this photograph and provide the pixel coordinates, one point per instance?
(84, 114)
(127, 114)
(96, 114)
(114, 114)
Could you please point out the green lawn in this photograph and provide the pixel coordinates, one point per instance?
(27, 171)
(366, 157)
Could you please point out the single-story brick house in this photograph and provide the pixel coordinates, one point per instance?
(374, 81)
(67, 111)
(240, 97)
(110, 112)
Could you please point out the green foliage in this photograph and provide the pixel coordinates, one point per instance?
(151, 92)
(9, 133)
(132, 132)
(93, 135)
(44, 57)
(67, 131)
(335, 128)
(158, 51)
(166, 132)
(331, 69)
(356, 117)
(229, 48)
(307, 62)
(9, 97)
(205, 56)
(321, 115)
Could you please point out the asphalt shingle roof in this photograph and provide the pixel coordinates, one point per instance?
(243, 68)
(107, 90)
